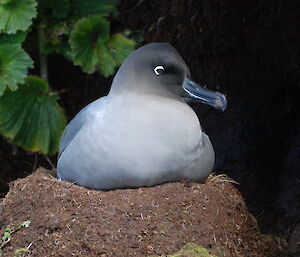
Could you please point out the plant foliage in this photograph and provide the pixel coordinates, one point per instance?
(16, 15)
(30, 117)
(79, 30)
(93, 47)
(14, 62)
(17, 38)
(6, 236)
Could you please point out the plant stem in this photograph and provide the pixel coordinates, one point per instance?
(43, 57)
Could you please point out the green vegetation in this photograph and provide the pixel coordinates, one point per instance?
(7, 236)
(190, 250)
(30, 116)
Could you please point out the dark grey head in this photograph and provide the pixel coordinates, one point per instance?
(158, 68)
(160, 63)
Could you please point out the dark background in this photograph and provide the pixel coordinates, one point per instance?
(249, 50)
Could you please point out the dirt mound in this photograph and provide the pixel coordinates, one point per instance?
(68, 220)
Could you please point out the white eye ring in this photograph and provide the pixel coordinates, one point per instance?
(157, 68)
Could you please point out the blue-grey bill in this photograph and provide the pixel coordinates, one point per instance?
(204, 95)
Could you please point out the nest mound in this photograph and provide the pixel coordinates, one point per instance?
(68, 220)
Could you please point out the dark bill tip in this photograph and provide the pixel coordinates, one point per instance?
(204, 95)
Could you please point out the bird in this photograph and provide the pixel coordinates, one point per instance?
(143, 133)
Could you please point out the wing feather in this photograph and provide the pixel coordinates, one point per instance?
(75, 125)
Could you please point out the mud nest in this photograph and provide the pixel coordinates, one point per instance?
(68, 220)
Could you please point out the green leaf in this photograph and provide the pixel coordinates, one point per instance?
(31, 117)
(7, 229)
(107, 63)
(113, 53)
(92, 48)
(16, 15)
(81, 8)
(19, 252)
(14, 62)
(6, 236)
(17, 38)
(120, 47)
(86, 36)
(25, 224)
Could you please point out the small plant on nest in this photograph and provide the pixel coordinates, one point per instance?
(6, 236)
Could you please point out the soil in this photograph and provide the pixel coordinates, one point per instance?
(68, 220)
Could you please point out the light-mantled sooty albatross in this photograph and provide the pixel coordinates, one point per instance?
(143, 132)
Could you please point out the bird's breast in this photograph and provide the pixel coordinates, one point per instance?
(144, 134)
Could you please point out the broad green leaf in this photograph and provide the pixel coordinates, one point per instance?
(86, 36)
(16, 15)
(92, 48)
(120, 47)
(17, 38)
(14, 62)
(81, 8)
(107, 63)
(30, 117)
(113, 53)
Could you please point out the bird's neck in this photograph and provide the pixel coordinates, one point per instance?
(125, 89)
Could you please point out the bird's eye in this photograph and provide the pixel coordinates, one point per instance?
(158, 69)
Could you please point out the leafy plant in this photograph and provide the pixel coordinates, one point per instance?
(92, 46)
(7, 236)
(14, 63)
(79, 30)
(16, 15)
(32, 104)
(20, 252)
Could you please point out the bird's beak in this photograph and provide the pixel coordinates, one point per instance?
(204, 95)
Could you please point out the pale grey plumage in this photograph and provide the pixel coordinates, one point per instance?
(74, 127)
(142, 133)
